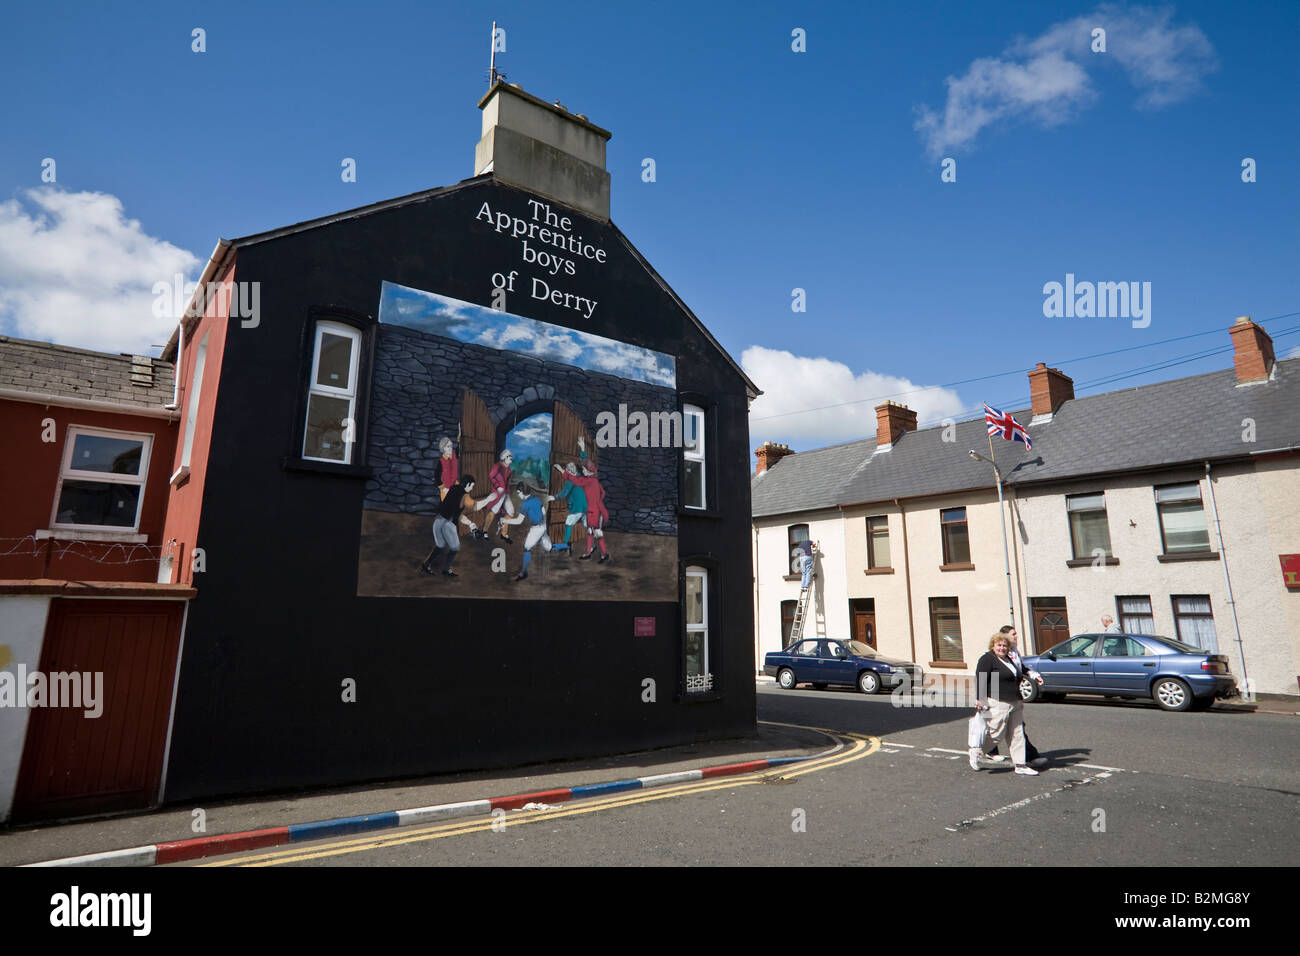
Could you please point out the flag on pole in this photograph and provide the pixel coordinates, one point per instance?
(1001, 423)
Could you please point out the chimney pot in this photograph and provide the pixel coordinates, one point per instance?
(1252, 351)
(768, 454)
(1049, 388)
(892, 419)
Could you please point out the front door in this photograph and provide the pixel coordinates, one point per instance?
(106, 752)
(864, 628)
(1051, 623)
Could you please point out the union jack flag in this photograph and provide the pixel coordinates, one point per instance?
(1001, 423)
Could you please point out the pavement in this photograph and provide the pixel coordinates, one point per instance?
(354, 809)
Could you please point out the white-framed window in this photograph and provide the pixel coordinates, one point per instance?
(101, 480)
(693, 455)
(698, 676)
(196, 386)
(332, 394)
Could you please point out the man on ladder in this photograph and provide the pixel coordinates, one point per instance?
(807, 551)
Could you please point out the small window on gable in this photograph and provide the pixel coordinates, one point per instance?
(330, 429)
(693, 457)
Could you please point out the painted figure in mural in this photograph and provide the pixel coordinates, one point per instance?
(499, 478)
(532, 507)
(575, 498)
(447, 469)
(596, 516)
(446, 534)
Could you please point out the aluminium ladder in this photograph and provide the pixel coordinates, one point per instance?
(800, 609)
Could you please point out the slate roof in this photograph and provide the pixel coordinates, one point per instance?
(43, 368)
(807, 481)
(1184, 421)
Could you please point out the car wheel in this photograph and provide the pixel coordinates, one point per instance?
(785, 677)
(1029, 690)
(869, 682)
(1171, 694)
(819, 686)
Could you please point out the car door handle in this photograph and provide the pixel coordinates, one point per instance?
(1085, 663)
(1152, 664)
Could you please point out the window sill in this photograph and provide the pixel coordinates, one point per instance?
(793, 577)
(877, 570)
(108, 537)
(327, 468)
(1088, 562)
(960, 566)
(710, 513)
(1188, 556)
(698, 696)
(953, 665)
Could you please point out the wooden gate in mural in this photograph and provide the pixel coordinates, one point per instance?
(478, 440)
(566, 426)
(478, 453)
(74, 764)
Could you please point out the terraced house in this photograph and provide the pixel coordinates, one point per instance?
(1174, 508)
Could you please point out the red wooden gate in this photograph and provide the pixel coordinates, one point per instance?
(74, 765)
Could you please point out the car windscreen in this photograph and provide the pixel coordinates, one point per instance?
(1178, 646)
(858, 649)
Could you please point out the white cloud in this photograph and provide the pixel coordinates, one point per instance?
(75, 270)
(805, 400)
(1046, 80)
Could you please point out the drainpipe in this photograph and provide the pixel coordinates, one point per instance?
(176, 368)
(758, 632)
(1227, 580)
(907, 579)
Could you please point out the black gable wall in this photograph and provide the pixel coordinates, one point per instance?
(441, 685)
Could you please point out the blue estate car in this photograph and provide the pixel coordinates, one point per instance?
(1175, 675)
(821, 662)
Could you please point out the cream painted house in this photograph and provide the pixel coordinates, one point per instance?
(1171, 507)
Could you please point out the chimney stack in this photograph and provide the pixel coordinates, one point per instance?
(769, 454)
(543, 149)
(1252, 355)
(892, 420)
(1049, 388)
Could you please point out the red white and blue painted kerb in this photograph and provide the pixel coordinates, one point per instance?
(159, 853)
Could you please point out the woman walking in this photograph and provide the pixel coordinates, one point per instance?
(997, 690)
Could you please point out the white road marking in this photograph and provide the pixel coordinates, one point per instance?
(945, 750)
(1093, 766)
(890, 743)
(1023, 803)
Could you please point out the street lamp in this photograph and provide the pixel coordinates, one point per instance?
(1002, 515)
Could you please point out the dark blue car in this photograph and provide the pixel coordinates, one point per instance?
(1175, 675)
(821, 662)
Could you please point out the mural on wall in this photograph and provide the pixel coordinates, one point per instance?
(488, 482)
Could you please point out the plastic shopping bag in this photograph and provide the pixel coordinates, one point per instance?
(976, 731)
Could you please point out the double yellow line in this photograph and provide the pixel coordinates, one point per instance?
(849, 747)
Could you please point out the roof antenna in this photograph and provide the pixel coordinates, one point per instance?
(493, 75)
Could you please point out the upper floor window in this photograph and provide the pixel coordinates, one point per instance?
(1182, 518)
(878, 542)
(101, 481)
(795, 536)
(192, 416)
(1089, 531)
(956, 539)
(693, 456)
(332, 394)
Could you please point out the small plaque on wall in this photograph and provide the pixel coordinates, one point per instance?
(1291, 570)
(645, 627)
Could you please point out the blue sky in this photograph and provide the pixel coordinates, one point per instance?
(775, 170)
(464, 321)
